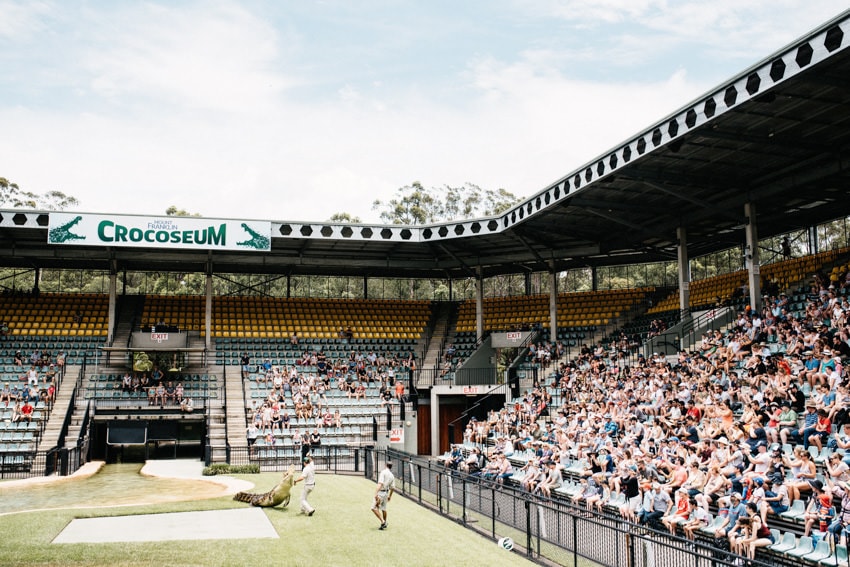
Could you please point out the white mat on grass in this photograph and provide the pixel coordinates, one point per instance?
(248, 523)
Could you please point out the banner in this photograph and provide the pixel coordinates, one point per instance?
(159, 232)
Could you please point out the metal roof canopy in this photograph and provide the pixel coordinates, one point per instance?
(776, 134)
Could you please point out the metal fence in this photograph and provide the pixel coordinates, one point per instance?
(549, 530)
(335, 459)
(60, 461)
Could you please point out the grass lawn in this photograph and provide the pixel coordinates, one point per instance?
(343, 531)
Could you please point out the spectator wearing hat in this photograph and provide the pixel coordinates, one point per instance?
(759, 463)
(819, 508)
(776, 494)
(810, 419)
(729, 527)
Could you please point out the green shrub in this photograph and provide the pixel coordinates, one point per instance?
(224, 468)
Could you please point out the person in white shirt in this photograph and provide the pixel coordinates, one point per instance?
(383, 494)
(308, 475)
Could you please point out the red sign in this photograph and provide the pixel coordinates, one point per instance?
(470, 390)
(397, 435)
(159, 337)
(513, 335)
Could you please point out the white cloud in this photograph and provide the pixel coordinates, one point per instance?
(217, 56)
(741, 28)
(23, 21)
(196, 107)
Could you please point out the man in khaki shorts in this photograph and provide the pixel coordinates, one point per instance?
(386, 486)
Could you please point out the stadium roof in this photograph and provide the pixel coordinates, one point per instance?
(775, 135)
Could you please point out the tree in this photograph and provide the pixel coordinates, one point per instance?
(173, 211)
(344, 218)
(12, 195)
(414, 204)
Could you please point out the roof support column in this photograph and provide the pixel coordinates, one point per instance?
(208, 286)
(553, 304)
(527, 279)
(594, 282)
(684, 272)
(479, 305)
(752, 256)
(113, 288)
(812, 235)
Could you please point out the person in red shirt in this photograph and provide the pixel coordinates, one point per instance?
(694, 411)
(26, 411)
(823, 428)
(683, 510)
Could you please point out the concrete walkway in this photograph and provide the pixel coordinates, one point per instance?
(239, 523)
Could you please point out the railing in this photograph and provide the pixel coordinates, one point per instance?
(547, 530)
(459, 377)
(327, 458)
(201, 396)
(54, 461)
(684, 335)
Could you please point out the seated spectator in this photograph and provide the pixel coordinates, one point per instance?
(532, 476)
(681, 514)
(6, 394)
(170, 393)
(187, 405)
(776, 495)
(16, 413)
(26, 411)
(474, 462)
(159, 396)
(819, 508)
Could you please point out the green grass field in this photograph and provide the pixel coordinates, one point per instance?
(342, 532)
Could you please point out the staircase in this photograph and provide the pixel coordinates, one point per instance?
(235, 413)
(442, 319)
(50, 437)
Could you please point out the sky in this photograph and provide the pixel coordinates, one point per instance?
(295, 110)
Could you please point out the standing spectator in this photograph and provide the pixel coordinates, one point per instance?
(245, 361)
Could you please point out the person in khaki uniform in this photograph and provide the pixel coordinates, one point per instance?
(383, 493)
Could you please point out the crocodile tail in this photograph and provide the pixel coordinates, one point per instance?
(243, 497)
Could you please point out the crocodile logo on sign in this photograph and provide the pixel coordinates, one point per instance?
(257, 240)
(63, 233)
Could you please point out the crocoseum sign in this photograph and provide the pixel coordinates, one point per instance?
(158, 232)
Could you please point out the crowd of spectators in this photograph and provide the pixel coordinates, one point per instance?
(36, 381)
(733, 426)
(298, 393)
